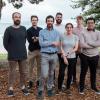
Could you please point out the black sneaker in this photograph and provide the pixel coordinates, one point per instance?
(81, 91)
(50, 93)
(68, 91)
(25, 92)
(10, 93)
(96, 90)
(30, 84)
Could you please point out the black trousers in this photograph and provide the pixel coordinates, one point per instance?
(92, 63)
(69, 73)
(60, 59)
(74, 72)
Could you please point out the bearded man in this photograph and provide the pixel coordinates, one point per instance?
(14, 42)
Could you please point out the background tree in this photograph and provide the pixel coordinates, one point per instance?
(1, 5)
(17, 3)
(89, 8)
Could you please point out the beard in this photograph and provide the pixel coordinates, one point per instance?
(50, 26)
(17, 22)
(58, 21)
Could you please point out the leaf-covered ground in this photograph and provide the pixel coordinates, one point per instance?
(89, 95)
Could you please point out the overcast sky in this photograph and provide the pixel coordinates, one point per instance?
(47, 7)
(43, 9)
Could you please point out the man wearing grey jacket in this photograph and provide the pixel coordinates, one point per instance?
(90, 41)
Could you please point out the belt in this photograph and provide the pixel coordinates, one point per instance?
(49, 52)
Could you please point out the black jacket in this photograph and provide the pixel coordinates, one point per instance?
(32, 32)
(14, 42)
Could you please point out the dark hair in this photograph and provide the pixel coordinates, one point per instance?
(15, 13)
(69, 24)
(90, 18)
(50, 16)
(58, 13)
(79, 17)
(34, 17)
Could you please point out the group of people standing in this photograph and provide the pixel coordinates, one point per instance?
(48, 46)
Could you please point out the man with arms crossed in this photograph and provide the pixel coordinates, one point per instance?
(49, 41)
(34, 49)
(90, 41)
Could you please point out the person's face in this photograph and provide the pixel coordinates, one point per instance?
(69, 29)
(50, 22)
(58, 19)
(90, 24)
(34, 21)
(79, 21)
(17, 19)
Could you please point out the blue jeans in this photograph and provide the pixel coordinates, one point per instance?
(48, 64)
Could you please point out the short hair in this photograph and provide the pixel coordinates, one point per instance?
(34, 17)
(49, 16)
(79, 17)
(59, 13)
(69, 24)
(15, 13)
(90, 18)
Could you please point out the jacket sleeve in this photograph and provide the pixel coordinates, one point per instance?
(29, 37)
(83, 44)
(97, 42)
(6, 39)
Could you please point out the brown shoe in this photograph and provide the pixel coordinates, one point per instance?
(58, 91)
(68, 91)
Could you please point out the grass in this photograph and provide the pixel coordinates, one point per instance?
(99, 49)
(3, 56)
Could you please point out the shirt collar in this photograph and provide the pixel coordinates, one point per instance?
(81, 27)
(34, 27)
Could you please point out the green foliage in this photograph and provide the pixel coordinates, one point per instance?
(90, 8)
(1, 5)
(3, 56)
(17, 3)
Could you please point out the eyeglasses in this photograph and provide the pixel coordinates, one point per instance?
(90, 23)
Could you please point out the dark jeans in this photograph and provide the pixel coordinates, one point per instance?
(92, 63)
(60, 59)
(74, 72)
(69, 73)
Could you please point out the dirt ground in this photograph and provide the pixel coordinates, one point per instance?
(89, 95)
